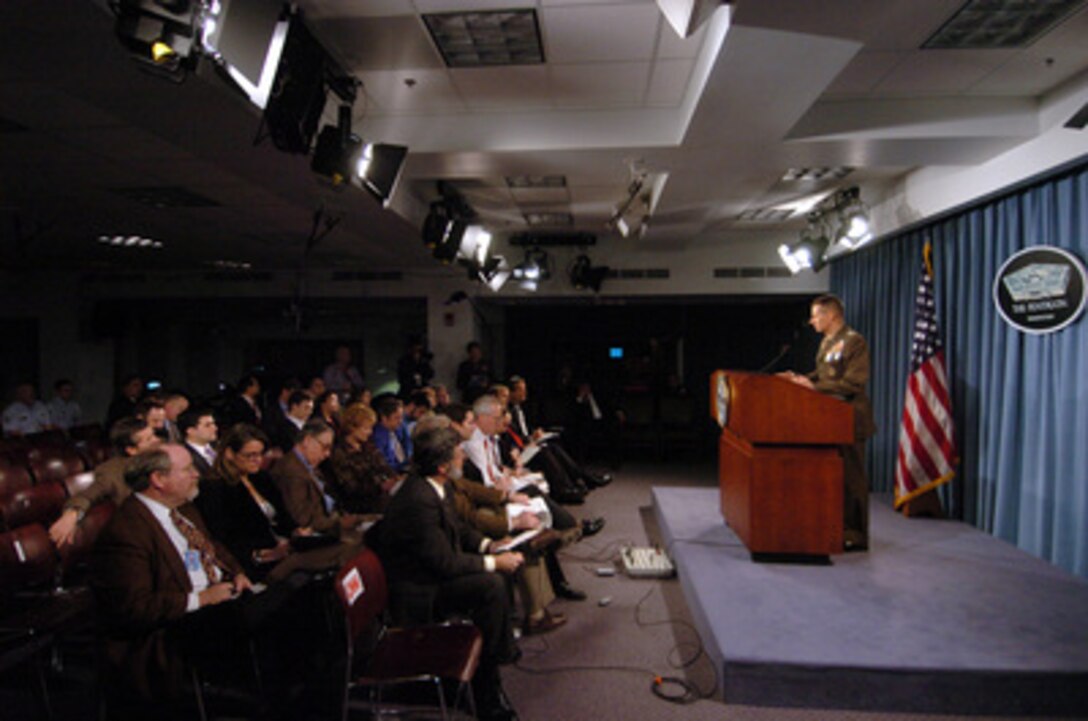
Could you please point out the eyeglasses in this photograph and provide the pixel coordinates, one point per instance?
(251, 456)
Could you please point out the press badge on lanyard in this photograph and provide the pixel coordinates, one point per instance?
(192, 561)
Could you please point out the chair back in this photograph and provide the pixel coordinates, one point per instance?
(38, 504)
(88, 432)
(47, 439)
(79, 550)
(362, 591)
(27, 558)
(56, 463)
(14, 477)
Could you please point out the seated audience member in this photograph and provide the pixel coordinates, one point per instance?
(174, 403)
(300, 407)
(327, 408)
(488, 511)
(123, 404)
(244, 510)
(360, 478)
(316, 387)
(596, 425)
(416, 407)
(482, 465)
(277, 410)
(153, 411)
(360, 395)
(154, 564)
(244, 406)
(64, 410)
(390, 435)
(441, 395)
(305, 494)
(341, 376)
(524, 431)
(129, 436)
(26, 414)
(200, 431)
(437, 565)
(414, 369)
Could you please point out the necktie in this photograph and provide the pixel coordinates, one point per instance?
(488, 462)
(209, 454)
(398, 449)
(197, 542)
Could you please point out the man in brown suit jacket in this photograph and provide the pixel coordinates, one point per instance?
(129, 436)
(302, 486)
(153, 572)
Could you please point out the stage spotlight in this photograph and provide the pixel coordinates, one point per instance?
(494, 273)
(811, 250)
(450, 244)
(378, 169)
(854, 230)
(533, 269)
(585, 276)
(159, 35)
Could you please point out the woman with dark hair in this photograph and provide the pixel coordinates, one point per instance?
(327, 408)
(244, 511)
(357, 471)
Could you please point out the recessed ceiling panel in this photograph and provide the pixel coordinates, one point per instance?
(601, 85)
(599, 33)
(523, 88)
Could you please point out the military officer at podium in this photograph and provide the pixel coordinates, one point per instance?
(842, 370)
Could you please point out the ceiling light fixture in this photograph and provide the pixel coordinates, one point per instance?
(532, 270)
(809, 253)
(836, 225)
(631, 218)
(586, 276)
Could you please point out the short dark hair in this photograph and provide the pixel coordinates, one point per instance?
(298, 397)
(472, 344)
(235, 438)
(434, 448)
(386, 406)
(61, 382)
(139, 468)
(831, 301)
(419, 399)
(456, 412)
(246, 381)
(123, 432)
(191, 417)
(144, 407)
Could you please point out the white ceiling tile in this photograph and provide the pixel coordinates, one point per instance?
(465, 6)
(670, 45)
(865, 71)
(391, 91)
(380, 43)
(668, 82)
(599, 33)
(540, 196)
(603, 85)
(940, 72)
(522, 87)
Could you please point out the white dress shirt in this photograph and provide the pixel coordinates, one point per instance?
(197, 577)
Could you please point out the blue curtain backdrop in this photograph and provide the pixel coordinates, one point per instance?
(1020, 400)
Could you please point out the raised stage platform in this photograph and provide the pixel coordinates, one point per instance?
(937, 617)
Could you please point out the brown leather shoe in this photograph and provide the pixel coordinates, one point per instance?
(546, 623)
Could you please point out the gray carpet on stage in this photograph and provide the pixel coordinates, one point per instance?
(936, 617)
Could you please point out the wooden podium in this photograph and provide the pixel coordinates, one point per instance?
(779, 467)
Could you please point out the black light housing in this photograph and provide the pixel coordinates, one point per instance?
(378, 169)
(159, 35)
(586, 276)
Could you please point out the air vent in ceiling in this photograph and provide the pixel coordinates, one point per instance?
(486, 39)
(638, 273)
(536, 181)
(981, 24)
(766, 215)
(166, 196)
(239, 276)
(344, 276)
(549, 220)
(547, 240)
(752, 271)
(794, 175)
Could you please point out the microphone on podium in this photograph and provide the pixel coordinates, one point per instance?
(786, 347)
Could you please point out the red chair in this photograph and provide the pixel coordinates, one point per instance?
(38, 504)
(78, 482)
(74, 554)
(27, 558)
(13, 478)
(56, 464)
(401, 655)
(94, 451)
(46, 439)
(15, 451)
(88, 432)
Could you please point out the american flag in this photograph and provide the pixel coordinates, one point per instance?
(927, 447)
